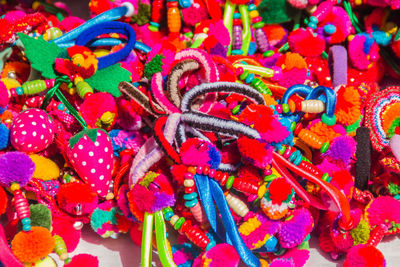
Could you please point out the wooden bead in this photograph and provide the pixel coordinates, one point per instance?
(246, 186)
(198, 213)
(237, 205)
(312, 106)
(174, 219)
(174, 19)
(198, 237)
(311, 139)
(188, 183)
(21, 205)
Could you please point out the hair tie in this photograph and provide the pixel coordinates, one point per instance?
(109, 27)
(221, 87)
(158, 93)
(109, 15)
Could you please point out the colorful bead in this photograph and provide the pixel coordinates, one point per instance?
(229, 182)
(178, 223)
(330, 121)
(188, 183)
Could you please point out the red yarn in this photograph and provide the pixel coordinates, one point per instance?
(86, 260)
(305, 43)
(136, 233)
(249, 172)
(178, 172)
(3, 201)
(76, 193)
(143, 198)
(67, 231)
(279, 190)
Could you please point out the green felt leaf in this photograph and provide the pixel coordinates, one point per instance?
(107, 80)
(41, 54)
(91, 133)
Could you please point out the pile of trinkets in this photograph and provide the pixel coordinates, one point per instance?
(242, 127)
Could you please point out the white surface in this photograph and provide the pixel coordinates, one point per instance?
(122, 252)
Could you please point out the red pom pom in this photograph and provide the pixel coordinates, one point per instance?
(72, 194)
(178, 172)
(364, 256)
(86, 260)
(279, 190)
(305, 43)
(67, 231)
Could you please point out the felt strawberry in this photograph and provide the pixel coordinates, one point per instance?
(32, 131)
(91, 154)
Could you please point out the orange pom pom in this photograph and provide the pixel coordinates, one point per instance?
(33, 245)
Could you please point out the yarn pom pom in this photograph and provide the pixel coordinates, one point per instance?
(222, 255)
(67, 231)
(255, 152)
(383, 209)
(299, 256)
(305, 43)
(86, 260)
(77, 199)
(296, 228)
(40, 216)
(45, 169)
(364, 256)
(4, 97)
(3, 201)
(33, 245)
(363, 51)
(282, 262)
(200, 153)
(344, 181)
(341, 150)
(99, 116)
(16, 167)
(279, 190)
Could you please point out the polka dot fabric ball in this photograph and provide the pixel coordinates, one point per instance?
(32, 131)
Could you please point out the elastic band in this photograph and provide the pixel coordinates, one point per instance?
(330, 98)
(300, 89)
(213, 124)
(162, 141)
(175, 75)
(338, 65)
(161, 238)
(109, 42)
(221, 87)
(147, 240)
(109, 27)
(158, 93)
(109, 15)
(135, 94)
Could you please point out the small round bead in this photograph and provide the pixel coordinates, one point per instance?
(330, 121)
(244, 75)
(19, 90)
(285, 108)
(192, 170)
(239, 71)
(210, 245)
(15, 186)
(188, 183)
(168, 209)
(329, 29)
(236, 22)
(174, 219)
(253, 14)
(218, 175)
(298, 160)
(224, 179)
(252, 7)
(179, 223)
(269, 178)
(206, 170)
(237, 52)
(26, 227)
(26, 221)
(168, 215)
(298, 128)
(199, 170)
(256, 19)
(282, 150)
(67, 261)
(258, 25)
(268, 53)
(236, 110)
(211, 173)
(236, 15)
(191, 203)
(313, 19)
(325, 176)
(288, 152)
(324, 147)
(249, 78)
(267, 172)
(278, 108)
(229, 182)
(292, 105)
(293, 126)
(153, 187)
(189, 190)
(277, 74)
(190, 196)
(189, 176)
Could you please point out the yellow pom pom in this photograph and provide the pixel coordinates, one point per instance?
(361, 233)
(45, 169)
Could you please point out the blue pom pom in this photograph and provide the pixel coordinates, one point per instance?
(215, 157)
(4, 136)
(382, 38)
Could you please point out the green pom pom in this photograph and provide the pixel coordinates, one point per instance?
(153, 66)
(361, 233)
(276, 11)
(40, 216)
(143, 15)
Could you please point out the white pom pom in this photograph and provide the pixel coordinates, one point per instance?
(131, 9)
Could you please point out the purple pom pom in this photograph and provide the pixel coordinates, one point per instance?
(16, 167)
(294, 230)
(342, 149)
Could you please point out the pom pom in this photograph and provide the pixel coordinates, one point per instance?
(16, 167)
(76, 198)
(40, 216)
(383, 209)
(4, 136)
(99, 116)
(4, 97)
(67, 231)
(200, 153)
(86, 260)
(255, 152)
(361, 233)
(363, 51)
(45, 169)
(33, 245)
(364, 255)
(295, 229)
(222, 255)
(3, 201)
(341, 150)
(305, 43)
(279, 190)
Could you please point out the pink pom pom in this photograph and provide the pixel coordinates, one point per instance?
(222, 255)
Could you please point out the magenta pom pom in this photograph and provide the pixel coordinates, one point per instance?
(294, 230)
(16, 167)
(222, 255)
